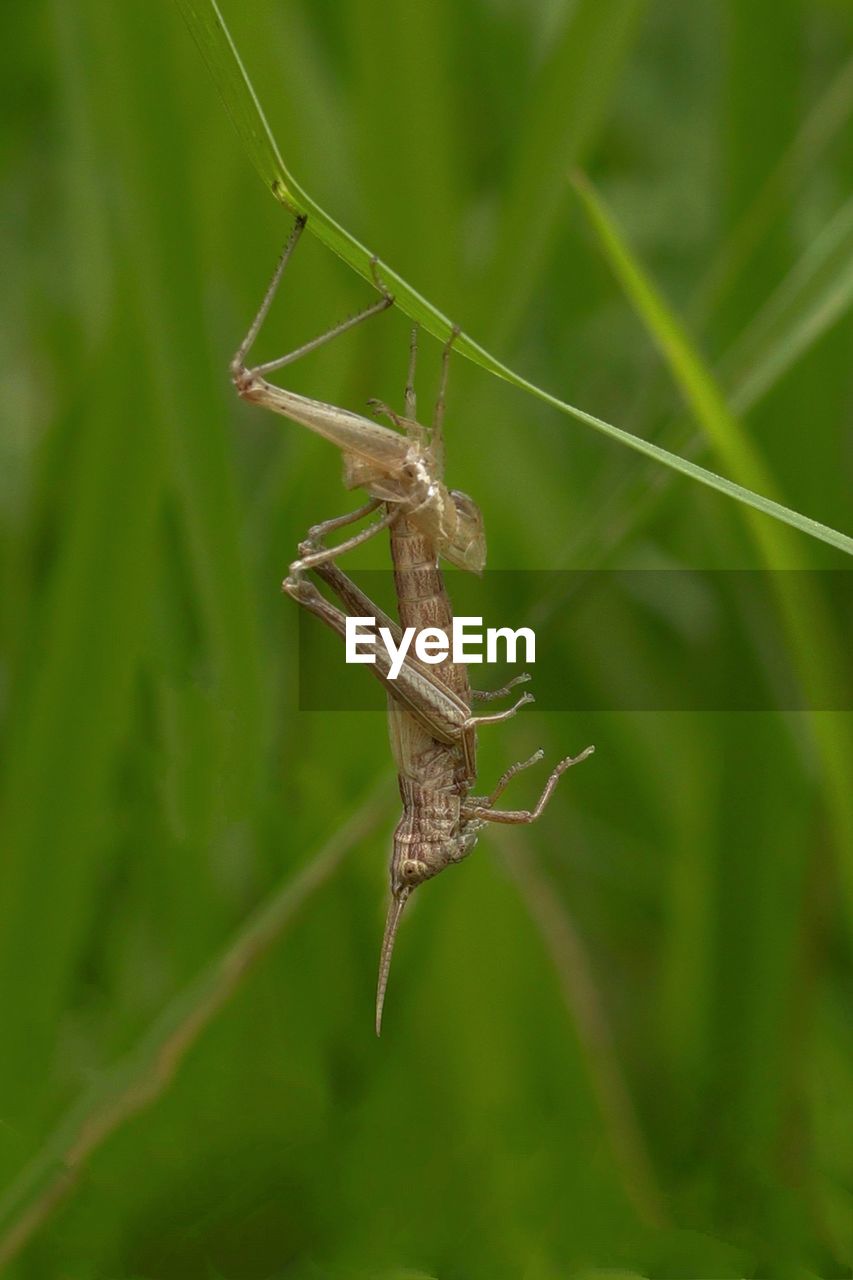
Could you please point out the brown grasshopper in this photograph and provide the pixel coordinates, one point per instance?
(433, 733)
(433, 738)
(393, 468)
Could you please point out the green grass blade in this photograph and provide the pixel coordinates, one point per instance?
(213, 38)
(741, 493)
(789, 320)
(810, 630)
(208, 28)
(811, 299)
(697, 385)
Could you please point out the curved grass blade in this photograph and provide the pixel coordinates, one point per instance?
(815, 295)
(208, 28)
(697, 385)
(815, 645)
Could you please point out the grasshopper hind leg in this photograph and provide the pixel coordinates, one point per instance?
(497, 717)
(507, 777)
(516, 817)
(238, 364)
(241, 375)
(313, 552)
(492, 695)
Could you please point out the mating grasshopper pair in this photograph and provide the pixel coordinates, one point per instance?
(432, 730)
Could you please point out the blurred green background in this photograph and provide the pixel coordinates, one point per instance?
(618, 1042)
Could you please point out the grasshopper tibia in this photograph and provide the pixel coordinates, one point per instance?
(492, 695)
(484, 812)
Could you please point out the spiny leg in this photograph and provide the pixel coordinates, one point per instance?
(239, 372)
(438, 711)
(506, 778)
(313, 553)
(491, 695)
(238, 363)
(374, 309)
(355, 602)
(411, 400)
(519, 816)
(409, 421)
(304, 592)
(437, 438)
(314, 540)
(383, 410)
(497, 717)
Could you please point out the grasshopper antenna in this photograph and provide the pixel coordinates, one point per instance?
(392, 922)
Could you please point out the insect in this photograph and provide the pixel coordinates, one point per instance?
(393, 467)
(433, 738)
(432, 730)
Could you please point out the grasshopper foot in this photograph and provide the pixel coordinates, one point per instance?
(381, 410)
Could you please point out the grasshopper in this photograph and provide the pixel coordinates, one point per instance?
(432, 730)
(433, 738)
(393, 467)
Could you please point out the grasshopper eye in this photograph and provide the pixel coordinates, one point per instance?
(412, 871)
